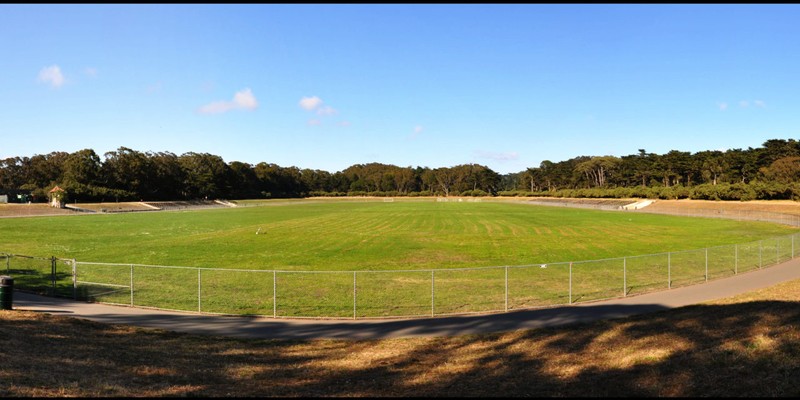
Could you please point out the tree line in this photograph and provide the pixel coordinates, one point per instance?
(771, 171)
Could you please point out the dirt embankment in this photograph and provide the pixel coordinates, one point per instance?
(31, 210)
(774, 206)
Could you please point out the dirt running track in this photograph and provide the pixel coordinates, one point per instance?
(271, 328)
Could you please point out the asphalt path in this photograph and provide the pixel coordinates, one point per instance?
(286, 328)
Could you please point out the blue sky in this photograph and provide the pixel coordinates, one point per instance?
(329, 86)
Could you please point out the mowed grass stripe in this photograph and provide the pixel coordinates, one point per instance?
(370, 236)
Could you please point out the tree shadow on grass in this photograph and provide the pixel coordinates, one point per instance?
(745, 349)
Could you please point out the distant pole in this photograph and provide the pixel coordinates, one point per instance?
(131, 285)
(570, 282)
(669, 270)
(354, 294)
(433, 291)
(74, 280)
(706, 264)
(506, 288)
(624, 277)
(53, 272)
(198, 290)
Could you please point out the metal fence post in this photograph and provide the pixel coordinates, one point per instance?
(53, 274)
(74, 280)
(199, 287)
(274, 294)
(354, 294)
(131, 285)
(506, 287)
(706, 264)
(433, 292)
(735, 259)
(669, 270)
(624, 277)
(570, 282)
(760, 248)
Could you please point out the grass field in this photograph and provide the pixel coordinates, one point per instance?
(378, 258)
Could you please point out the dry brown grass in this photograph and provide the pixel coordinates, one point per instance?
(775, 206)
(743, 346)
(29, 210)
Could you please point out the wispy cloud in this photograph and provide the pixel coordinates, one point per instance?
(326, 110)
(90, 71)
(416, 132)
(509, 156)
(242, 100)
(52, 75)
(743, 104)
(310, 103)
(315, 104)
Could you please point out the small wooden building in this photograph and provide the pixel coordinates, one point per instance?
(58, 197)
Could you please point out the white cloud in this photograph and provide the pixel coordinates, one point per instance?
(744, 104)
(760, 103)
(723, 106)
(344, 123)
(310, 103)
(52, 75)
(498, 156)
(326, 110)
(314, 122)
(90, 71)
(416, 131)
(242, 100)
(245, 99)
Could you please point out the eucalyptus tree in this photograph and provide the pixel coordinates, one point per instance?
(206, 176)
(598, 169)
(783, 170)
(245, 184)
(713, 165)
(130, 171)
(81, 176)
(167, 177)
(11, 174)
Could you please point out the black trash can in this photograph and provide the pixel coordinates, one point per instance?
(6, 292)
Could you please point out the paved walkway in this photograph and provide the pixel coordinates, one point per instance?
(266, 327)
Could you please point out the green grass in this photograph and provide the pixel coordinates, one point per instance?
(348, 236)
(361, 246)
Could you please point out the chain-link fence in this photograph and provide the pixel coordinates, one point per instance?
(378, 294)
(739, 215)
